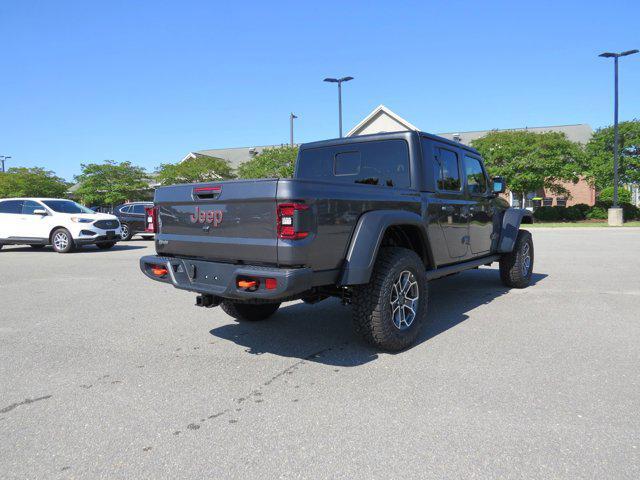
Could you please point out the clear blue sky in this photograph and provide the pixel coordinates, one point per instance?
(149, 81)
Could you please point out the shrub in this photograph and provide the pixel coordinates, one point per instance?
(573, 214)
(583, 207)
(629, 211)
(548, 214)
(597, 213)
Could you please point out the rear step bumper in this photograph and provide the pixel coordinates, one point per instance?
(219, 279)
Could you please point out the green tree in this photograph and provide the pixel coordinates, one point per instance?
(600, 154)
(276, 162)
(31, 182)
(110, 183)
(531, 161)
(606, 195)
(194, 170)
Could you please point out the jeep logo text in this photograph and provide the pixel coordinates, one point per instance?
(213, 217)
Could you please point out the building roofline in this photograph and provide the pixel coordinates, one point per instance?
(385, 109)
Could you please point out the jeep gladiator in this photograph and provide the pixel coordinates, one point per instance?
(369, 219)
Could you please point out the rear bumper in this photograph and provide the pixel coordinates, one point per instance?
(219, 279)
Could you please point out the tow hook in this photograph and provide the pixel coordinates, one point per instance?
(207, 301)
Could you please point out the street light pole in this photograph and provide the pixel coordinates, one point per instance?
(291, 117)
(339, 82)
(2, 159)
(616, 136)
(615, 57)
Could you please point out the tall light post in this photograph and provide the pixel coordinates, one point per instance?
(615, 57)
(339, 82)
(291, 117)
(2, 159)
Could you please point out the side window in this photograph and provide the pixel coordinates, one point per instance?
(125, 209)
(476, 180)
(29, 207)
(385, 163)
(449, 173)
(138, 209)
(347, 163)
(11, 206)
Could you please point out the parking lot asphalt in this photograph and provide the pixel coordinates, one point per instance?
(106, 374)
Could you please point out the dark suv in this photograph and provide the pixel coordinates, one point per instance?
(132, 218)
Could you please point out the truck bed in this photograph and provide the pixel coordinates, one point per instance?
(237, 221)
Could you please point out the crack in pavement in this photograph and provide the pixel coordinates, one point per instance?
(26, 401)
(257, 392)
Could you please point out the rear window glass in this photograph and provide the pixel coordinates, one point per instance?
(347, 163)
(138, 209)
(384, 163)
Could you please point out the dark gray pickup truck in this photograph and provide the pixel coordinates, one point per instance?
(369, 219)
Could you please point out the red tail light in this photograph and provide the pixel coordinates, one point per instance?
(289, 221)
(152, 219)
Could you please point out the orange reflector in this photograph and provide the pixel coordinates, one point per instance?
(247, 283)
(159, 271)
(271, 284)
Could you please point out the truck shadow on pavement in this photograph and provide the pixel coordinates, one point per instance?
(322, 332)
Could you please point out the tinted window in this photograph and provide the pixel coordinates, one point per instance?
(138, 209)
(124, 209)
(11, 206)
(476, 181)
(384, 163)
(347, 163)
(448, 174)
(66, 206)
(29, 206)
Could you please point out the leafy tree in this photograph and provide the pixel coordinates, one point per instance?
(276, 162)
(31, 182)
(110, 183)
(531, 161)
(194, 170)
(606, 195)
(600, 154)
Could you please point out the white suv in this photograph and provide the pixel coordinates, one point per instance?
(60, 223)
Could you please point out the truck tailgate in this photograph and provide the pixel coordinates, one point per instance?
(232, 221)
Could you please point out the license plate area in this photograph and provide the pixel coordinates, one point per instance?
(207, 273)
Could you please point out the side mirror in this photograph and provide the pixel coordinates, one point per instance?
(498, 185)
(40, 211)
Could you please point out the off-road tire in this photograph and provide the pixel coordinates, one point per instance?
(372, 310)
(249, 311)
(37, 247)
(105, 246)
(125, 236)
(69, 246)
(512, 265)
